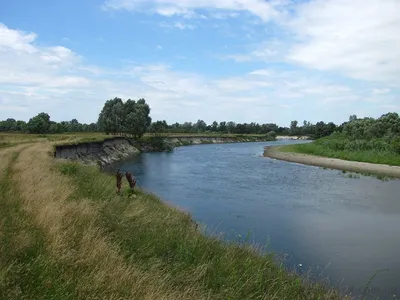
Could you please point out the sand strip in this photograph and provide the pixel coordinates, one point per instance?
(332, 163)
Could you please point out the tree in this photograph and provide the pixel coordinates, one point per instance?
(293, 128)
(39, 124)
(214, 126)
(271, 135)
(222, 127)
(159, 127)
(111, 116)
(136, 117)
(230, 126)
(352, 118)
(200, 126)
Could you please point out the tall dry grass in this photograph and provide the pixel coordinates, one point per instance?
(91, 265)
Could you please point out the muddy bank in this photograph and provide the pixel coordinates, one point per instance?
(332, 163)
(106, 152)
(116, 149)
(188, 140)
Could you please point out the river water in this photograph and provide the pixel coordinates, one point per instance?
(321, 222)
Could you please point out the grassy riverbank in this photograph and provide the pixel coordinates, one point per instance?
(65, 234)
(372, 151)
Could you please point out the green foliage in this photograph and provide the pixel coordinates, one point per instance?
(111, 116)
(396, 144)
(68, 168)
(39, 123)
(11, 125)
(271, 135)
(387, 127)
(130, 117)
(154, 143)
(42, 124)
(367, 140)
(338, 146)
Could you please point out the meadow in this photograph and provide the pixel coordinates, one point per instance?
(376, 151)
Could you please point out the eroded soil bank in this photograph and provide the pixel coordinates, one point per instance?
(117, 149)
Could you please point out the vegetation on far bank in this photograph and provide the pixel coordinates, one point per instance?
(66, 234)
(365, 140)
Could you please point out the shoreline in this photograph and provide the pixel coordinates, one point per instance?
(116, 149)
(332, 163)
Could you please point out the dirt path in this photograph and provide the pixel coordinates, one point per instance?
(332, 163)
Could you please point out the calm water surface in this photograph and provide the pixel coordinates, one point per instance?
(324, 223)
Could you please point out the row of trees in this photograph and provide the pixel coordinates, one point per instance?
(318, 130)
(42, 124)
(133, 118)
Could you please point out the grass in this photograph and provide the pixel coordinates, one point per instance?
(370, 156)
(11, 139)
(65, 234)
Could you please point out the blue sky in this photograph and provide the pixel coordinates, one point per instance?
(240, 60)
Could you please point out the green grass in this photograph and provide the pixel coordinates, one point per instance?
(152, 234)
(26, 269)
(371, 156)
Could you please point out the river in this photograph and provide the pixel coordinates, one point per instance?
(322, 223)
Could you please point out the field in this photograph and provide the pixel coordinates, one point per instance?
(12, 139)
(374, 151)
(66, 234)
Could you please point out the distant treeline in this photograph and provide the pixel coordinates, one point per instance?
(42, 124)
(318, 130)
(133, 118)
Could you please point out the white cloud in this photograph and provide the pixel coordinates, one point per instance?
(183, 26)
(267, 51)
(261, 72)
(55, 79)
(265, 10)
(16, 40)
(179, 25)
(380, 91)
(358, 38)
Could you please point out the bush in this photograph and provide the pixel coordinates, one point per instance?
(396, 145)
(271, 135)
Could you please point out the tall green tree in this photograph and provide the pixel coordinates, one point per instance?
(293, 127)
(111, 116)
(136, 117)
(39, 124)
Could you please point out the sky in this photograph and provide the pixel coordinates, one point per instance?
(224, 60)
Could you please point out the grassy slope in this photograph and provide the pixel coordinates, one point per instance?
(378, 157)
(65, 234)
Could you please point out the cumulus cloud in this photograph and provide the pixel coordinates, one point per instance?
(358, 38)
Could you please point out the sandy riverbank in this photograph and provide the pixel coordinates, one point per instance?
(332, 163)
